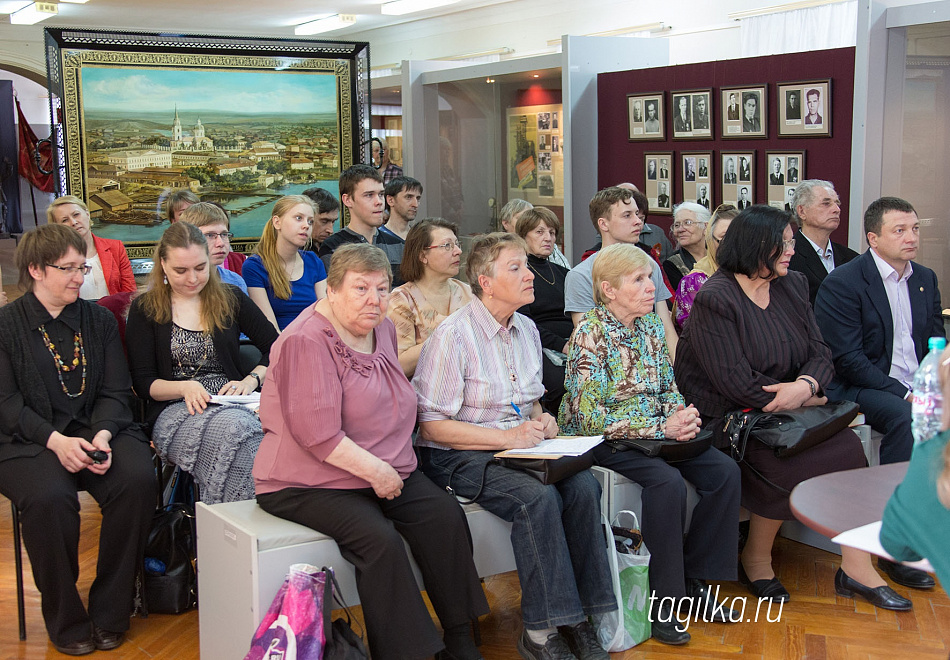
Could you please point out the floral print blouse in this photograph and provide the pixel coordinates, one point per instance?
(619, 380)
(685, 295)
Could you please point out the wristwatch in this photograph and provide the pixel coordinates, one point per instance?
(258, 379)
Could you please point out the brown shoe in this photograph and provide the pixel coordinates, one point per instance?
(105, 640)
(83, 647)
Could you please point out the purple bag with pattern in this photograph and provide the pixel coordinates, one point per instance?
(292, 629)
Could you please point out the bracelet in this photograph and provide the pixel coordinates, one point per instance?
(811, 385)
(259, 383)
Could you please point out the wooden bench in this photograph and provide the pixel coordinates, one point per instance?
(244, 554)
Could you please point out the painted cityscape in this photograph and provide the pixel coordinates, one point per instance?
(239, 138)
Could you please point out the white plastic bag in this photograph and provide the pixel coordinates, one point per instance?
(629, 624)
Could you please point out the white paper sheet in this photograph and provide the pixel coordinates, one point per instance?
(868, 538)
(243, 399)
(560, 446)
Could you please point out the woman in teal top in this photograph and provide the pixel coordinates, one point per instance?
(916, 521)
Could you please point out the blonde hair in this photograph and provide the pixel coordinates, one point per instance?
(62, 201)
(485, 251)
(267, 248)
(203, 214)
(708, 264)
(357, 258)
(613, 264)
(218, 304)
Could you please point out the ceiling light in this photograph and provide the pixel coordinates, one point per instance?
(399, 7)
(328, 24)
(34, 13)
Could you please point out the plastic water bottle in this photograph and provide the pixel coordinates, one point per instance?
(927, 402)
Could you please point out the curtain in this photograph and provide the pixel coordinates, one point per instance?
(816, 28)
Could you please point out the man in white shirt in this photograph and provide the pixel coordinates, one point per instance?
(618, 220)
(876, 314)
(817, 210)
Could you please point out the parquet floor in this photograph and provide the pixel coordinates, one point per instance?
(816, 624)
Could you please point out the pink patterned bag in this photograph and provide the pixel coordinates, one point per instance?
(292, 629)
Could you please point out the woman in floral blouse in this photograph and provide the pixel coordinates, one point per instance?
(620, 383)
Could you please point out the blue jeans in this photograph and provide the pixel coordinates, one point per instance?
(556, 533)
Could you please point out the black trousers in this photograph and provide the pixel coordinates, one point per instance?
(891, 415)
(46, 495)
(709, 550)
(370, 533)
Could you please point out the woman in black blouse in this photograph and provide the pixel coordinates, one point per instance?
(752, 342)
(65, 426)
(539, 227)
(186, 331)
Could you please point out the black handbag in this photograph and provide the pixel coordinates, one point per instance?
(790, 432)
(170, 580)
(549, 470)
(342, 642)
(670, 451)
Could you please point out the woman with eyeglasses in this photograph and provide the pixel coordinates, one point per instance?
(539, 227)
(187, 329)
(283, 277)
(66, 425)
(689, 228)
(752, 342)
(430, 262)
(705, 267)
(111, 270)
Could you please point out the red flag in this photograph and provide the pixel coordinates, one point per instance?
(28, 167)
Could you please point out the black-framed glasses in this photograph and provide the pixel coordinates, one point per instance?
(448, 246)
(85, 269)
(214, 235)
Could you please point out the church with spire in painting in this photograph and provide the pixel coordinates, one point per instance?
(194, 142)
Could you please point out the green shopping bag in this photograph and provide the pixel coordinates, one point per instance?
(629, 562)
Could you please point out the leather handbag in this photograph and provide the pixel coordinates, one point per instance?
(670, 451)
(550, 470)
(789, 432)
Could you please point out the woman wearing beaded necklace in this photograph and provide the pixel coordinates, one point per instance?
(66, 425)
(186, 329)
(539, 227)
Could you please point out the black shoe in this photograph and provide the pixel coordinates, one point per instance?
(703, 603)
(883, 597)
(553, 649)
(665, 628)
(105, 640)
(770, 589)
(582, 640)
(905, 575)
(85, 647)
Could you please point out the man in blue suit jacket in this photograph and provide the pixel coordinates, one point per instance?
(876, 313)
(858, 312)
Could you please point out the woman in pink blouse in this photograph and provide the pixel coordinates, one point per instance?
(337, 456)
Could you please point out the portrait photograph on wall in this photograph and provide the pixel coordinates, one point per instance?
(645, 117)
(735, 189)
(243, 127)
(692, 115)
(786, 169)
(804, 109)
(744, 112)
(697, 177)
(659, 181)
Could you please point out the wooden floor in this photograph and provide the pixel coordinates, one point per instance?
(816, 624)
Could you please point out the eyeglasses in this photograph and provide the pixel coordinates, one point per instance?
(686, 223)
(224, 235)
(448, 246)
(788, 245)
(85, 269)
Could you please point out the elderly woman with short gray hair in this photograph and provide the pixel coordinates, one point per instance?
(337, 456)
(478, 383)
(689, 230)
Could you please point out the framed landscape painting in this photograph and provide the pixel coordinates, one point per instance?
(240, 122)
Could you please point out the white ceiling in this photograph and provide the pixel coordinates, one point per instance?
(232, 17)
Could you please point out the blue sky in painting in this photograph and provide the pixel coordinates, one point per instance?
(252, 92)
